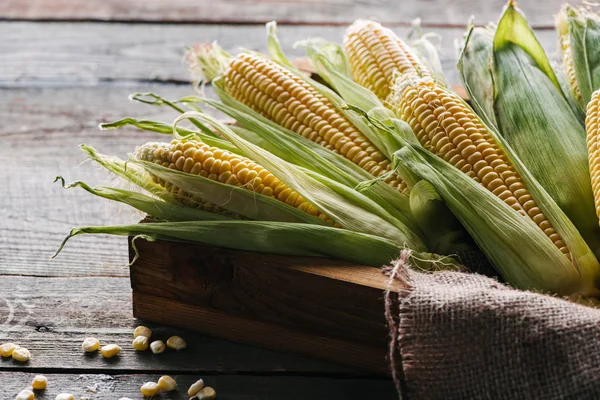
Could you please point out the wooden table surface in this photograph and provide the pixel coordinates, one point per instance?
(65, 66)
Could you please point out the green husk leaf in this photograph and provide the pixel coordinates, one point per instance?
(537, 121)
(267, 237)
(521, 252)
(475, 71)
(167, 129)
(234, 199)
(584, 37)
(156, 208)
(427, 51)
(349, 208)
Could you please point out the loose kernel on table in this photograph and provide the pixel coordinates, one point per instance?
(167, 384)
(25, 395)
(21, 354)
(149, 389)
(39, 382)
(176, 343)
(110, 350)
(6, 349)
(142, 331)
(90, 345)
(65, 396)
(206, 393)
(157, 347)
(196, 387)
(140, 343)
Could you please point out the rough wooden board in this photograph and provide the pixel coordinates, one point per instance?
(286, 11)
(112, 387)
(88, 53)
(41, 132)
(52, 316)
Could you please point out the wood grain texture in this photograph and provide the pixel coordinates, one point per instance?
(316, 307)
(112, 387)
(52, 316)
(92, 53)
(434, 12)
(40, 133)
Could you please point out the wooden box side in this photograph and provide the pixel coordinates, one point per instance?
(316, 307)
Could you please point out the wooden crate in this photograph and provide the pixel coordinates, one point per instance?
(315, 307)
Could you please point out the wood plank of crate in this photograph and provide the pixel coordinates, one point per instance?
(52, 316)
(248, 387)
(91, 53)
(440, 12)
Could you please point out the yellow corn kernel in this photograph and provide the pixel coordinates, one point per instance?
(142, 331)
(447, 127)
(176, 343)
(21, 354)
(39, 382)
(157, 347)
(140, 343)
(245, 172)
(206, 393)
(593, 145)
(90, 345)
(167, 384)
(291, 102)
(6, 349)
(149, 389)
(110, 350)
(65, 396)
(195, 388)
(377, 55)
(25, 395)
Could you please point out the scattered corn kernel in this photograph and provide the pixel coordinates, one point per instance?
(39, 382)
(206, 393)
(157, 347)
(21, 354)
(149, 389)
(110, 350)
(140, 343)
(196, 387)
(25, 395)
(142, 331)
(6, 349)
(167, 383)
(90, 344)
(65, 396)
(176, 343)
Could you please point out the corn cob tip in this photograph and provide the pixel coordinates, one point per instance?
(592, 125)
(207, 61)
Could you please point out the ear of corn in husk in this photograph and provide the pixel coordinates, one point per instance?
(579, 39)
(535, 117)
(474, 65)
(592, 124)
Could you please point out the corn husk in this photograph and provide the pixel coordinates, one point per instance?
(579, 31)
(538, 121)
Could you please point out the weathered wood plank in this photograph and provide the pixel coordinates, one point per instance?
(437, 12)
(41, 132)
(112, 387)
(89, 53)
(52, 316)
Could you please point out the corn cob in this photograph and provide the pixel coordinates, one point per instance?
(447, 127)
(593, 145)
(376, 55)
(197, 158)
(564, 41)
(288, 100)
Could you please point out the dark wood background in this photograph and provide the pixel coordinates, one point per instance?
(67, 65)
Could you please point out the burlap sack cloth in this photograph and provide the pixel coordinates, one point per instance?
(467, 336)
